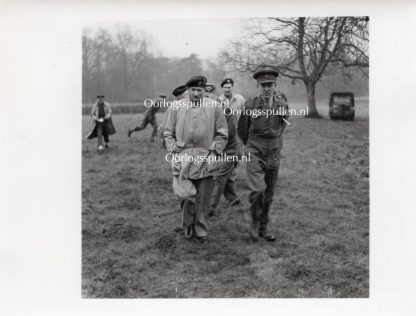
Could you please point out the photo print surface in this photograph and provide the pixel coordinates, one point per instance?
(225, 158)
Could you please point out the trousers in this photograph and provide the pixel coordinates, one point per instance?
(224, 184)
(195, 208)
(262, 172)
(102, 133)
(145, 122)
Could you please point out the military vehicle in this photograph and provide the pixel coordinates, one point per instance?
(342, 106)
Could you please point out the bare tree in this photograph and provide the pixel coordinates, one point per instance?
(302, 48)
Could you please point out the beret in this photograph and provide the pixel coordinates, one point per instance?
(197, 81)
(210, 87)
(265, 73)
(227, 80)
(179, 90)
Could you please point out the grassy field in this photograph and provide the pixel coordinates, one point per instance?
(320, 216)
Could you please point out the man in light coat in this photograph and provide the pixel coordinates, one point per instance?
(103, 124)
(197, 130)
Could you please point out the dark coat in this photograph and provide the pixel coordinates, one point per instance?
(107, 124)
(108, 128)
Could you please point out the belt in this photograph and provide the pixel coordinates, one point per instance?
(264, 137)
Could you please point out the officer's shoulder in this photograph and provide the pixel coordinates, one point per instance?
(281, 95)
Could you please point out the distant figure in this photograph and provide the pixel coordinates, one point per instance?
(103, 124)
(262, 136)
(224, 180)
(211, 91)
(149, 117)
(229, 97)
(179, 93)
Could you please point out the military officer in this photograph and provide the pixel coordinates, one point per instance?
(149, 117)
(199, 132)
(211, 91)
(179, 93)
(229, 97)
(224, 180)
(103, 124)
(262, 136)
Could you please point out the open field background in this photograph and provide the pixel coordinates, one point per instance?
(133, 108)
(320, 216)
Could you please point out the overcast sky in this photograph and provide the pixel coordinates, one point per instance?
(180, 38)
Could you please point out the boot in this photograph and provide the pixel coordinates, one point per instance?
(265, 235)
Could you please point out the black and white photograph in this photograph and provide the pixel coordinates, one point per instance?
(226, 158)
(176, 157)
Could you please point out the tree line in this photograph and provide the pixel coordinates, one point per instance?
(122, 67)
(303, 49)
(314, 56)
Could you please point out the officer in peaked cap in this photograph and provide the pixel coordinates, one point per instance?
(265, 73)
(263, 137)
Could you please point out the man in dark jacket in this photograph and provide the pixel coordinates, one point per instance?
(262, 134)
(149, 117)
(223, 179)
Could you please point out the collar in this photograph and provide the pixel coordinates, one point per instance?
(222, 97)
(260, 101)
(271, 100)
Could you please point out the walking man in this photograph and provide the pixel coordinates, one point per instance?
(193, 133)
(262, 136)
(179, 93)
(211, 91)
(229, 97)
(149, 117)
(224, 179)
(103, 124)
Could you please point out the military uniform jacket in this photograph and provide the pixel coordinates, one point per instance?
(260, 125)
